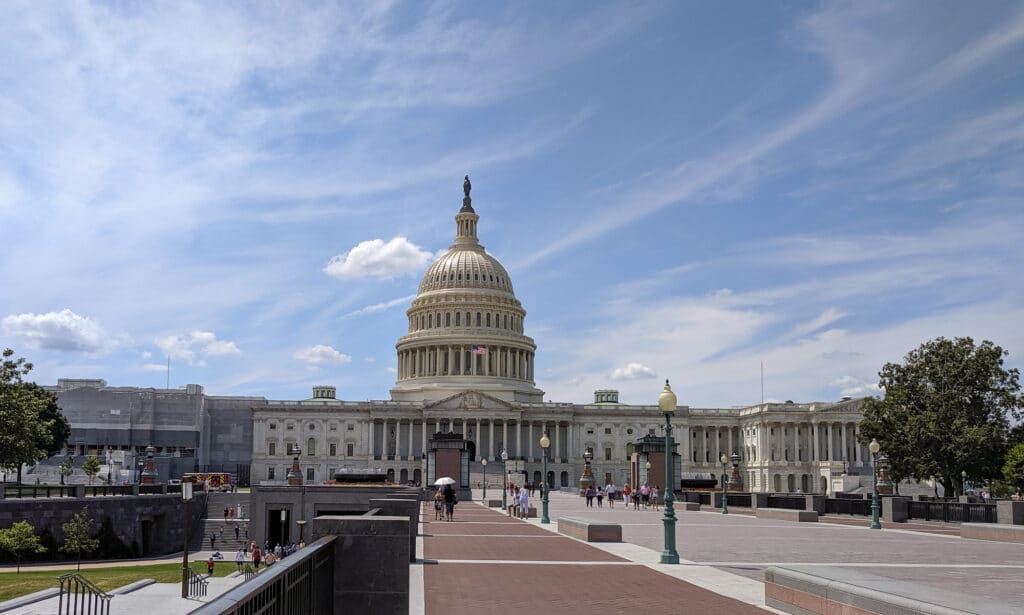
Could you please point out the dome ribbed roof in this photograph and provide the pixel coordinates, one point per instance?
(466, 267)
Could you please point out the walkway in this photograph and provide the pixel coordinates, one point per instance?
(484, 558)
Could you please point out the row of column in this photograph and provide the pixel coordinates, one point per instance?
(452, 360)
(705, 444)
(814, 441)
(521, 440)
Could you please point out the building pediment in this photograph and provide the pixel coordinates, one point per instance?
(471, 401)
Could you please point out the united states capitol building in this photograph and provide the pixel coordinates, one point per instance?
(466, 365)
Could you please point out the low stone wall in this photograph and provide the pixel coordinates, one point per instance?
(590, 531)
(787, 514)
(992, 531)
(691, 506)
(147, 524)
(820, 591)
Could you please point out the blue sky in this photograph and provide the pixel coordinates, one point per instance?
(678, 190)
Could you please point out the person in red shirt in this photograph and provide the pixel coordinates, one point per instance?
(209, 566)
(257, 555)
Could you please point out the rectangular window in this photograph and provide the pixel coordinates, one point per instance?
(309, 474)
(351, 427)
(273, 425)
(607, 454)
(290, 427)
(590, 432)
(270, 473)
(650, 432)
(330, 473)
(349, 450)
(272, 449)
(608, 431)
(334, 427)
(334, 449)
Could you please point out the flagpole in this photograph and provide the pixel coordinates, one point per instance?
(762, 383)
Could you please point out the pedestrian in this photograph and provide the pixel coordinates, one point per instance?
(645, 495)
(213, 541)
(449, 502)
(626, 491)
(654, 497)
(610, 491)
(239, 558)
(589, 493)
(209, 566)
(513, 510)
(225, 513)
(524, 503)
(238, 533)
(257, 555)
(247, 532)
(600, 496)
(636, 500)
(439, 505)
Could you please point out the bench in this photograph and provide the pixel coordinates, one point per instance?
(531, 513)
(993, 531)
(787, 514)
(590, 531)
(493, 503)
(691, 506)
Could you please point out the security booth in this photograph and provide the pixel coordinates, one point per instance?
(448, 455)
(647, 463)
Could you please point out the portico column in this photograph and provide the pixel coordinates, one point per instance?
(529, 441)
(478, 437)
(519, 439)
(828, 441)
(558, 441)
(504, 436)
(846, 454)
(490, 438)
(814, 441)
(686, 444)
(423, 445)
(372, 426)
(856, 444)
(410, 454)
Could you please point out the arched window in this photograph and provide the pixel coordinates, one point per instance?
(430, 321)
(447, 319)
(311, 447)
(478, 319)
(506, 321)
(488, 319)
(458, 319)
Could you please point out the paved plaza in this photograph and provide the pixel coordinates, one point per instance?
(727, 553)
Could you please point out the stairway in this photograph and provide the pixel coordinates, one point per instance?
(224, 529)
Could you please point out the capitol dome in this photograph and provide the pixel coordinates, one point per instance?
(465, 327)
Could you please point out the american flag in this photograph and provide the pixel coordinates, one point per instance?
(479, 349)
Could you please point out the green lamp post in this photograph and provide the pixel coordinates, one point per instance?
(545, 442)
(504, 487)
(874, 447)
(484, 463)
(725, 483)
(667, 404)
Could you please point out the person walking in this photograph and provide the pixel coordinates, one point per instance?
(209, 566)
(257, 555)
(626, 493)
(589, 493)
(213, 541)
(449, 502)
(600, 496)
(438, 505)
(239, 558)
(238, 533)
(524, 503)
(654, 497)
(610, 491)
(645, 495)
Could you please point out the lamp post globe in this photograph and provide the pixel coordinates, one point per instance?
(504, 487)
(873, 448)
(545, 442)
(483, 462)
(725, 483)
(667, 404)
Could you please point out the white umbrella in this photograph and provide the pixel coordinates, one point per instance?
(444, 480)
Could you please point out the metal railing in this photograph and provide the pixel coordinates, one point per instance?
(197, 584)
(101, 490)
(80, 597)
(40, 491)
(792, 502)
(300, 583)
(847, 506)
(248, 571)
(955, 512)
(741, 500)
(849, 496)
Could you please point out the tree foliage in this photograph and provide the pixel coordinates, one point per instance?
(1013, 468)
(91, 467)
(67, 467)
(946, 410)
(77, 540)
(20, 539)
(33, 426)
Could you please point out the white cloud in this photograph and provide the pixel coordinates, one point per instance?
(377, 258)
(187, 348)
(63, 330)
(321, 354)
(633, 371)
(854, 387)
(379, 307)
(154, 367)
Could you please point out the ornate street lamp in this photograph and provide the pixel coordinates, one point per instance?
(504, 487)
(874, 447)
(725, 483)
(735, 478)
(545, 442)
(300, 523)
(647, 477)
(667, 404)
(484, 463)
(963, 482)
(186, 496)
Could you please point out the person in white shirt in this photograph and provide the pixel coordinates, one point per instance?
(524, 502)
(610, 491)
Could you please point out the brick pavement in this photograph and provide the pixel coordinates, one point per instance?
(483, 559)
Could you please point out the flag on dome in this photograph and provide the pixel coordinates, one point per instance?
(479, 349)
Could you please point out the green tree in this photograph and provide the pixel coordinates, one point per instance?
(67, 467)
(91, 467)
(946, 410)
(77, 540)
(1013, 469)
(56, 430)
(20, 539)
(19, 414)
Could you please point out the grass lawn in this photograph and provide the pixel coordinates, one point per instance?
(13, 584)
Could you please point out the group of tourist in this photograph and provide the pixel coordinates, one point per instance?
(647, 496)
(266, 555)
(445, 500)
(520, 505)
